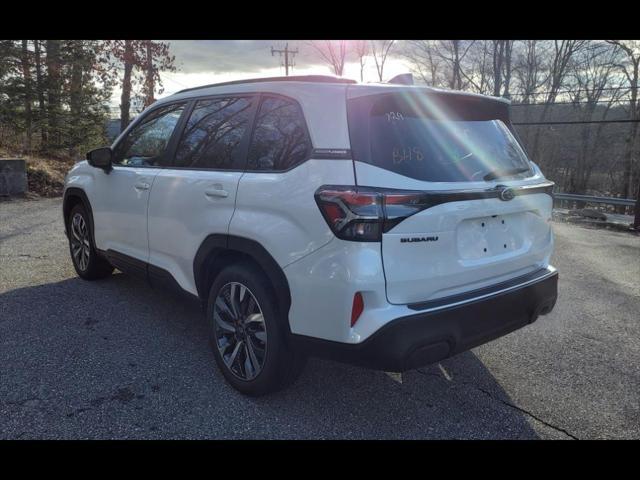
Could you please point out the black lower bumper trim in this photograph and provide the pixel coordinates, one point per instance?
(428, 337)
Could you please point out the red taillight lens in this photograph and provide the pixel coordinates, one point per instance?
(352, 215)
(357, 309)
(363, 214)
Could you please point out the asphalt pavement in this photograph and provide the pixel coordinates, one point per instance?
(117, 359)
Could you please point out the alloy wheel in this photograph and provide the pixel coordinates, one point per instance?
(80, 246)
(240, 331)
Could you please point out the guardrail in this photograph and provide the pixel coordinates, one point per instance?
(627, 202)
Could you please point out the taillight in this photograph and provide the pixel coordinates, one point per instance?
(362, 214)
(357, 308)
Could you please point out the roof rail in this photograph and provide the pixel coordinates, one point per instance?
(292, 78)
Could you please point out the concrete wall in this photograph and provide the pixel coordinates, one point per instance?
(13, 177)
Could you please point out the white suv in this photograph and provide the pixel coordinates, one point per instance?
(389, 226)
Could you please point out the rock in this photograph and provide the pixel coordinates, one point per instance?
(13, 177)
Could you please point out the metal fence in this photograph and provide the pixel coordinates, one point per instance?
(570, 200)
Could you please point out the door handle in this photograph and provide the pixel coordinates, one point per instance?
(142, 186)
(216, 192)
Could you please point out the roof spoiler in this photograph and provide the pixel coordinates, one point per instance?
(402, 79)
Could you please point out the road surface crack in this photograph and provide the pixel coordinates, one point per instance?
(508, 404)
(526, 412)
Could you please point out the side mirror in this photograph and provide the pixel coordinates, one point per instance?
(101, 158)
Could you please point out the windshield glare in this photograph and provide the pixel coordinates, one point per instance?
(438, 149)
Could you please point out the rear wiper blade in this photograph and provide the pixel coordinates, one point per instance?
(504, 173)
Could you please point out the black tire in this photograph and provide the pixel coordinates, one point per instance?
(280, 364)
(95, 266)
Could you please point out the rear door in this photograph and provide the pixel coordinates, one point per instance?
(195, 194)
(484, 217)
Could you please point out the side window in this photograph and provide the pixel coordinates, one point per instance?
(145, 144)
(214, 133)
(280, 138)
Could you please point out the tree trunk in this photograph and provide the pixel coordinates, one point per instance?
(628, 161)
(498, 56)
(26, 73)
(149, 98)
(636, 220)
(456, 83)
(125, 98)
(42, 113)
(53, 92)
(75, 99)
(507, 66)
(635, 116)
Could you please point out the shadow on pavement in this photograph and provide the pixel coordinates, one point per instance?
(116, 359)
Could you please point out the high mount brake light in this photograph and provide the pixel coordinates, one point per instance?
(364, 214)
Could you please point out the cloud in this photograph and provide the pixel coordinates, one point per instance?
(229, 56)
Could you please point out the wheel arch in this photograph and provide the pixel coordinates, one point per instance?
(219, 250)
(72, 197)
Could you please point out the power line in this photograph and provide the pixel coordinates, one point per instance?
(286, 52)
(174, 80)
(559, 92)
(568, 103)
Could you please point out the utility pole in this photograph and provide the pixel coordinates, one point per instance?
(286, 52)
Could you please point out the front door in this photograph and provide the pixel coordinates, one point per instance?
(120, 213)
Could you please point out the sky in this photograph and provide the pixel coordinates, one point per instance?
(201, 62)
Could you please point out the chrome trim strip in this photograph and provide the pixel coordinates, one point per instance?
(551, 271)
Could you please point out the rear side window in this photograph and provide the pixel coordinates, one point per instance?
(213, 136)
(280, 140)
(435, 139)
(145, 144)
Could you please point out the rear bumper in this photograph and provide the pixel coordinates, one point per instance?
(427, 337)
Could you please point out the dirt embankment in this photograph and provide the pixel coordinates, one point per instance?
(45, 176)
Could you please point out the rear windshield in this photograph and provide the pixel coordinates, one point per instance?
(436, 138)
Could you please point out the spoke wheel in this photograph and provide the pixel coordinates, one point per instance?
(240, 331)
(80, 246)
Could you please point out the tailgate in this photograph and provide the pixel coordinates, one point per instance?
(462, 246)
(485, 213)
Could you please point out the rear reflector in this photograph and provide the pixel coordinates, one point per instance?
(357, 309)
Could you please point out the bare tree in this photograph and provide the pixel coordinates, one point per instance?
(441, 62)
(501, 67)
(528, 69)
(594, 74)
(332, 52)
(361, 49)
(420, 54)
(630, 68)
(380, 51)
(562, 54)
(478, 70)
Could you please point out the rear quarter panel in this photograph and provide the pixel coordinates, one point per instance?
(279, 210)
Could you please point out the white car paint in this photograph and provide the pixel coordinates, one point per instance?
(162, 215)
(185, 207)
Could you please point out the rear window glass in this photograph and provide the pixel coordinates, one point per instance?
(280, 140)
(435, 139)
